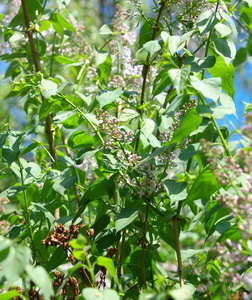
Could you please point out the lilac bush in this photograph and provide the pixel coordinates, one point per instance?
(120, 183)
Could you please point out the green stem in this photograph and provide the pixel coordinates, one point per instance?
(26, 211)
(53, 50)
(143, 245)
(180, 266)
(83, 115)
(221, 136)
(198, 261)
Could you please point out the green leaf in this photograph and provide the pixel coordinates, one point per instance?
(45, 109)
(14, 190)
(148, 126)
(95, 294)
(161, 82)
(48, 88)
(128, 114)
(104, 70)
(190, 151)
(225, 47)
(136, 267)
(101, 223)
(190, 123)
(206, 21)
(198, 64)
(223, 30)
(146, 32)
(226, 73)
(100, 56)
(73, 122)
(9, 295)
(105, 30)
(15, 263)
(173, 43)
(80, 139)
(240, 57)
(184, 293)
(58, 258)
(246, 15)
(64, 23)
(249, 2)
(5, 245)
(228, 103)
(31, 170)
(15, 141)
(209, 88)
(64, 115)
(63, 182)
(105, 97)
(227, 18)
(179, 76)
(142, 55)
(175, 190)
(109, 265)
(185, 254)
(97, 189)
(152, 47)
(153, 296)
(40, 277)
(205, 184)
(34, 8)
(65, 60)
(166, 231)
(125, 217)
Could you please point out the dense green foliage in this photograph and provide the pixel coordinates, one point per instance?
(120, 184)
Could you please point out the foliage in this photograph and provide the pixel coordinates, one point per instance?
(121, 183)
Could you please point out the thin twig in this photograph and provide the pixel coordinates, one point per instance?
(242, 26)
(143, 244)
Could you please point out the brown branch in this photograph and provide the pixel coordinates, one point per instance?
(119, 259)
(146, 66)
(180, 266)
(242, 26)
(29, 32)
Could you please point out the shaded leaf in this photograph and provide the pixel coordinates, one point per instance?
(109, 265)
(198, 64)
(63, 182)
(125, 217)
(205, 184)
(206, 21)
(80, 139)
(175, 190)
(40, 277)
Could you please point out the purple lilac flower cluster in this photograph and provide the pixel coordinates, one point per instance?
(113, 130)
(88, 166)
(235, 256)
(124, 72)
(166, 136)
(147, 184)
